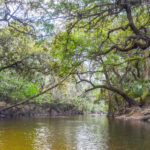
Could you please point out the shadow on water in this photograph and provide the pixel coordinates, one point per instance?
(74, 133)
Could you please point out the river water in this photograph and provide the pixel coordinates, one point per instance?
(74, 133)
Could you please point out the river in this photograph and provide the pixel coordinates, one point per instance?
(91, 132)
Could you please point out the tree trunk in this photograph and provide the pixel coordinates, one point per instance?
(109, 104)
(146, 73)
(115, 90)
(124, 95)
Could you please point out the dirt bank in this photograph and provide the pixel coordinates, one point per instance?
(135, 113)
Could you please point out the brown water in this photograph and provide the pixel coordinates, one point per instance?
(74, 133)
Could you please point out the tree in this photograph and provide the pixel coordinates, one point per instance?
(99, 30)
(121, 18)
(22, 53)
(35, 15)
(23, 59)
(103, 43)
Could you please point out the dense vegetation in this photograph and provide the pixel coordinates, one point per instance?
(91, 53)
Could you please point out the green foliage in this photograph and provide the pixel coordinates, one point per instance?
(96, 43)
(138, 89)
(15, 87)
(43, 99)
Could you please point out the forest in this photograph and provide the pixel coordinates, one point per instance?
(93, 54)
(74, 74)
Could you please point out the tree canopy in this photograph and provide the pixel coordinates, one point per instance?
(110, 40)
(99, 44)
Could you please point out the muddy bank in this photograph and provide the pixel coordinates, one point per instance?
(39, 110)
(135, 113)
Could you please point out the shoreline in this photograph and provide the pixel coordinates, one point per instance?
(32, 110)
(135, 113)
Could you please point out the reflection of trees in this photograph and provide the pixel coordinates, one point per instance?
(76, 133)
(16, 135)
(93, 135)
(128, 135)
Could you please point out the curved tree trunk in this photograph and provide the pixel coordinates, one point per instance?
(113, 89)
(124, 95)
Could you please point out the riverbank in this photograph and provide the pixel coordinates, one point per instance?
(135, 113)
(33, 110)
(39, 110)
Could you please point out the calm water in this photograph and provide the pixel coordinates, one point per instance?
(74, 133)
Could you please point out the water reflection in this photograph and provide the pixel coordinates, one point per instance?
(129, 135)
(74, 133)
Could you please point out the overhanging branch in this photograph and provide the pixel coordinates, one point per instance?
(35, 96)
